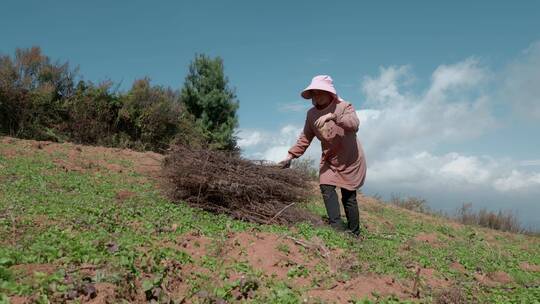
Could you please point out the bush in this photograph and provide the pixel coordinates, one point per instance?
(150, 115)
(32, 90)
(92, 111)
(145, 118)
(39, 100)
(189, 133)
(501, 220)
(411, 203)
(306, 166)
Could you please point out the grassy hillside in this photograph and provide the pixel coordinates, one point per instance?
(90, 225)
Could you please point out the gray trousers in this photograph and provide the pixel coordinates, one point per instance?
(348, 199)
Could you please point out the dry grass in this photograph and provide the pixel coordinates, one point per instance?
(501, 220)
(452, 295)
(411, 203)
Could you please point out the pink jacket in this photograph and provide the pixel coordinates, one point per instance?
(342, 162)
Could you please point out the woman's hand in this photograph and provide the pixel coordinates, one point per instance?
(323, 119)
(286, 163)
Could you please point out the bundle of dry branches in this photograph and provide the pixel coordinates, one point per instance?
(224, 183)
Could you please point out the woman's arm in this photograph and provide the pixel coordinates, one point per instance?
(348, 120)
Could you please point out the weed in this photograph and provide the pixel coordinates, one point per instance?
(283, 248)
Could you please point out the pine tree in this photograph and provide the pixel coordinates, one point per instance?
(207, 96)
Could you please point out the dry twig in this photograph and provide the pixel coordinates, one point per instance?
(224, 183)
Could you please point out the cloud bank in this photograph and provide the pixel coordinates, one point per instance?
(408, 133)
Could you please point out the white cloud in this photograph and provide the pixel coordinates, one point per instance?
(275, 154)
(462, 75)
(465, 168)
(273, 145)
(400, 121)
(532, 162)
(517, 180)
(521, 80)
(385, 88)
(425, 171)
(368, 116)
(289, 130)
(402, 127)
(248, 138)
(400, 170)
(295, 106)
(404, 122)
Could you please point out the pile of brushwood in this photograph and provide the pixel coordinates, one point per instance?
(223, 182)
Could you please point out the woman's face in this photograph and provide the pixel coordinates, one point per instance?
(320, 98)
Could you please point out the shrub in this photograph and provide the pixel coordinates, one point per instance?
(93, 111)
(501, 220)
(150, 115)
(32, 90)
(411, 203)
(306, 166)
(39, 100)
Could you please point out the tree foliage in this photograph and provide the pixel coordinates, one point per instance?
(31, 92)
(212, 103)
(41, 99)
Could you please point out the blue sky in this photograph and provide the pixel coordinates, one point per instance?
(447, 92)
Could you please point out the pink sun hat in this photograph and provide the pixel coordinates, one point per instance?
(320, 82)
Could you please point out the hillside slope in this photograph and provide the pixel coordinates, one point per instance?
(90, 224)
